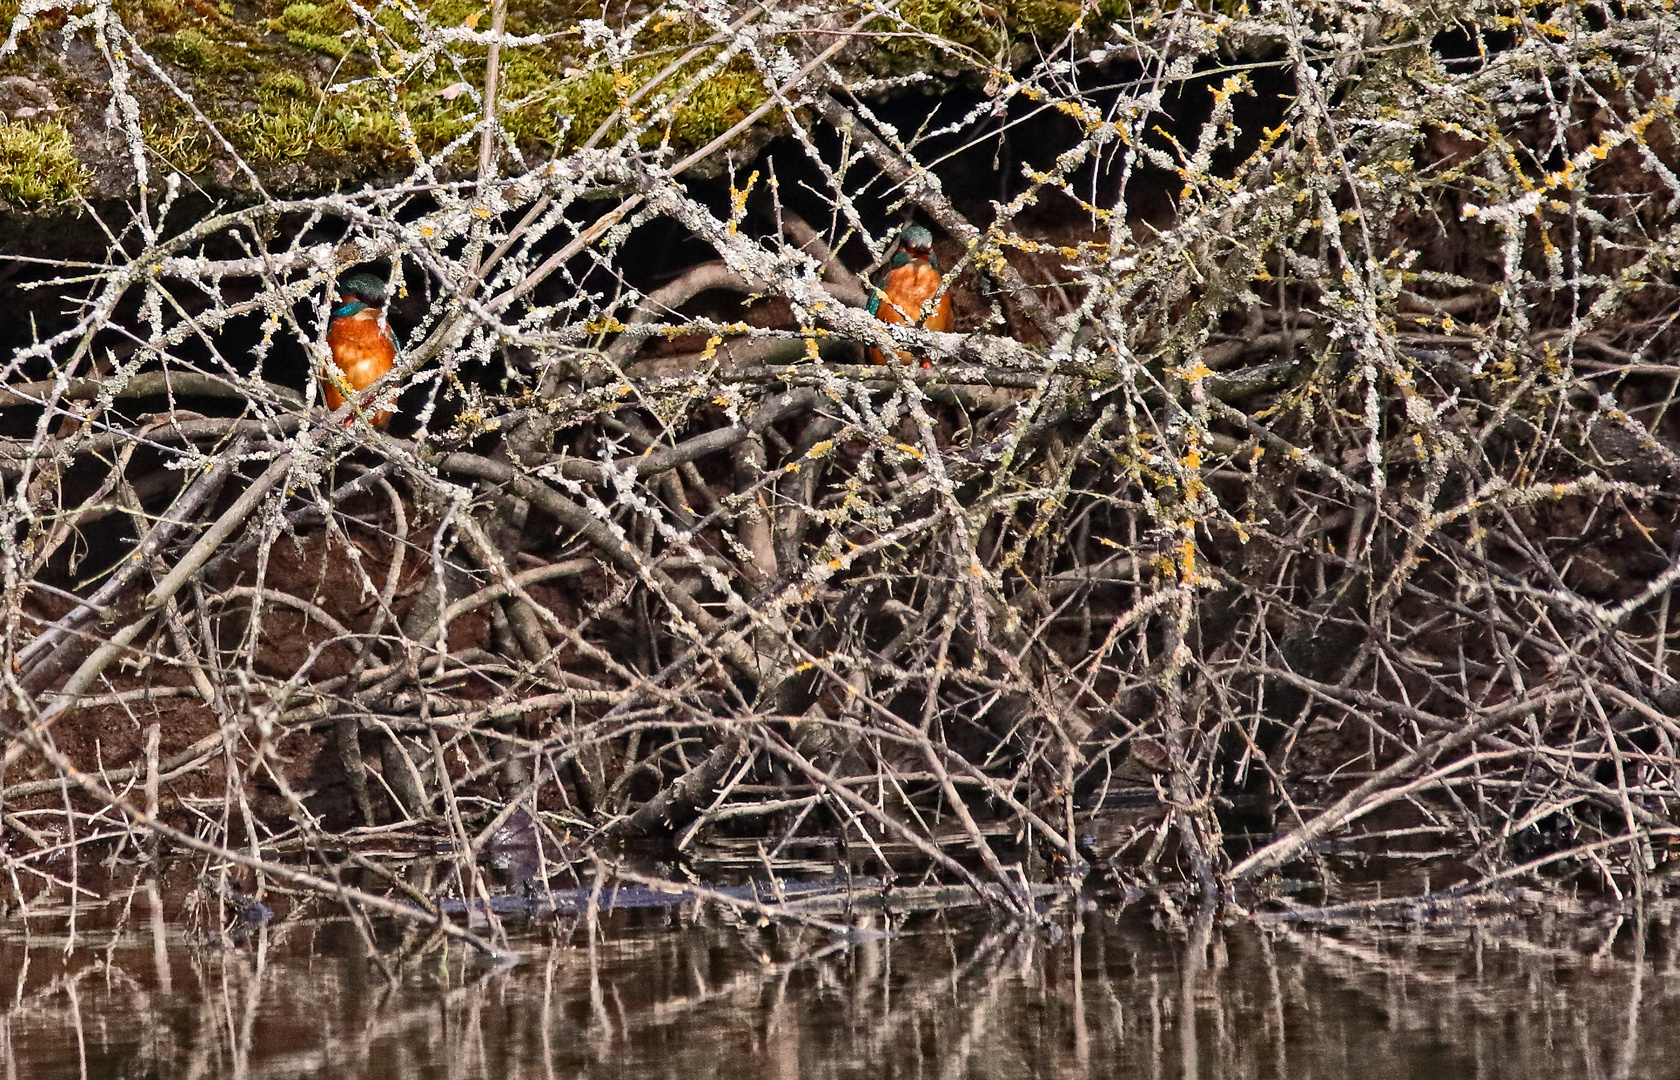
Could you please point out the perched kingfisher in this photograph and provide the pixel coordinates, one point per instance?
(361, 342)
(911, 280)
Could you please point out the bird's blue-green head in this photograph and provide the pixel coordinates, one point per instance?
(917, 240)
(359, 292)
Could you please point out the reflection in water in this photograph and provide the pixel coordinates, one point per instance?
(700, 994)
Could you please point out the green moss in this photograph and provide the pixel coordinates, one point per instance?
(179, 139)
(987, 28)
(708, 106)
(195, 51)
(318, 43)
(717, 105)
(165, 17)
(586, 100)
(315, 28)
(441, 13)
(294, 129)
(1049, 18)
(960, 21)
(38, 165)
(313, 18)
(267, 57)
(282, 86)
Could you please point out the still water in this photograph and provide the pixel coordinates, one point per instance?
(134, 990)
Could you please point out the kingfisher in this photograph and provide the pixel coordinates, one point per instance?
(361, 342)
(912, 279)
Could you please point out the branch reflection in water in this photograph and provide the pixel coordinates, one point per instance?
(137, 988)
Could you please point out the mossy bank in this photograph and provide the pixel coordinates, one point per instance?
(317, 95)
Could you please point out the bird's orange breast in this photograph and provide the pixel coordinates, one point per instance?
(363, 351)
(907, 289)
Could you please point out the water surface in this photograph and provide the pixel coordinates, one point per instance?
(140, 992)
